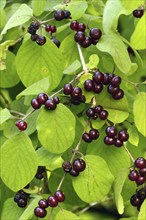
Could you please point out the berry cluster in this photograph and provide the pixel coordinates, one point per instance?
(138, 198)
(92, 135)
(34, 26)
(22, 125)
(52, 29)
(138, 13)
(96, 112)
(75, 168)
(52, 201)
(75, 94)
(114, 137)
(81, 38)
(42, 99)
(138, 174)
(40, 172)
(21, 198)
(62, 14)
(99, 79)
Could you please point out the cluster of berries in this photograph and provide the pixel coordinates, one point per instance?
(52, 201)
(138, 198)
(99, 79)
(114, 137)
(92, 135)
(75, 94)
(81, 38)
(75, 168)
(96, 112)
(42, 99)
(21, 198)
(40, 172)
(34, 26)
(138, 13)
(52, 29)
(138, 174)
(62, 14)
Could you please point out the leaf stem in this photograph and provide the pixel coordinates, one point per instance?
(46, 21)
(131, 157)
(82, 58)
(50, 214)
(17, 113)
(27, 115)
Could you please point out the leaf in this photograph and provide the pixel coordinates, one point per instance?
(142, 213)
(23, 14)
(38, 6)
(64, 214)
(77, 9)
(8, 75)
(17, 167)
(131, 5)
(139, 112)
(118, 185)
(93, 185)
(117, 109)
(93, 61)
(2, 3)
(34, 62)
(133, 136)
(113, 45)
(73, 68)
(139, 35)
(4, 115)
(54, 129)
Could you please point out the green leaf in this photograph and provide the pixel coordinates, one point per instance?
(17, 167)
(139, 112)
(131, 5)
(77, 9)
(64, 214)
(139, 35)
(2, 3)
(54, 129)
(113, 45)
(117, 109)
(118, 185)
(4, 115)
(23, 14)
(93, 185)
(93, 61)
(40, 62)
(133, 136)
(38, 6)
(142, 213)
(73, 68)
(8, 75)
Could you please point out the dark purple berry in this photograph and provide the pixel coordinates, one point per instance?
(97, 88)
(79, 37)
(43, 204)
(35, 25)
(118, 95)
(35, 104)
(22, 203)
(123, 135)
(52, 201)
(48, 28)
(95, 33)
(93, 134)
(42, 98)
(106, 79)
(81, 27)
(90, 112)
(111, 131)
(22, 125)
(41, 40)
(86, 137)
(67, 14)
(86, 43)
(98, 77)
(77, 92)
(79, 165)
(67, 89)
(98, 109)
(31, 31)
(55, 41)
(138, 13)
(56, 99)
(41, 169)
(34, 37)
(141, 180)
(140, 163)
(141, 194)
(103, 115)
(74, 173)
(53, 29)
(118, 143)
(135, 201)
(39, 212)
(50, 104)
(83, 99)
(75, 101)
(66, 166)
(59, 15)
(113, 90)
(142, 172)
(95, 116)
(116, 80)
(59, 195)
(17, 197)
(74, 25)
(94, 42)
(133, 175)
(108, 140)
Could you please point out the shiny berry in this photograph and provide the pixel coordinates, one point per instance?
(93, 134)
(113, 90)
(48, 28)
(86, 137)
(86, 43)
(108, 140)
(88, 85)
(98, 77)
(97, 88)
(53, 29)
(39, 212)
(50, 104)
(81, 27)
(67, 166)
(90, 112)
(22, 125)
(55, 41)
(98, 109)
(56, 99)
(95, 116)
(133, 175)
(59, 195)
(140, 163)
(118, 95)
(111, 131)
(138, 13)
(77, 92)
(67, 14)
(123, 135)
(103, 115)
(59, 15)
(118, 143)
(116, 80)
(17, 197)
(42, 98)
(135, 201)
(106, 79)
(52, 201)
(74, 25)
(95, 33)
(67, 89)
(41, 40)
(35, 104)
(43, 203)
(79, 37)
(79, 165)
(22, 203)
(141, 180)
(74, 173)
(142, 172)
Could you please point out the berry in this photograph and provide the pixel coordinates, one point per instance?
(41, 169)
(86, 43)
(81, 27)
(135, 201)
(56, 99)
(31, 31)
(59, 15)
(94, 42)
(79, 165)
(67, 166)
(39, 212)
(43, 203)
(118, 95)
(138, 13)
(83, 99)
(17, 197)
(86, 138)
(67, 14)
(74, 25)
(133, 175)
(142, 172)
(50, 104)
(42, 98)
(48, 28)
(79, 37)
(88, 85)
(35, 25)
(55, 41)
(34, 37)
(108, 140)
(77, 92)
(90, 112)
(39, 176)
(106, 79)
(75, 101)
(35, 104)
(22, 203)
(22, 125)
(98, 109)
(52, 201)
(103, 115)
(118, 143)
(141, 180)
(116, 80)
(141, 194)
(97, 88)
(140, 163)
(95, 116)
(41, 40)
(74, 173)
(95, 33)
(98, 77)
(67, 89)
(93, 134)
(113, 90)
(110, 76)
(111, 131)
(123, 135)
(59, 195)
(53, 29)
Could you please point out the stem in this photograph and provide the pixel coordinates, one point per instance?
(44, 22)
(87, 208)
(61, 182)
(46, 188)
(28, 114)
(131, 157)
(50, 214)
(82, 58)
(17, 113)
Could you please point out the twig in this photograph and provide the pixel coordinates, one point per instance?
(82, 58)
(131, 157)
(50, 214)
(17, 113)
(26, 116)
(61, 182)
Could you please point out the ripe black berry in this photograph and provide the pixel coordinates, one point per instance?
(118, 95)
(142, 172)
(88, 85)
(93, 134)
(141, 180)
(22, 203)
(48, 28)
(42, 98)
(41, 40)
(108, 140)
(118, 143)
(77, 92)
(133, 175)
(67, 166)
(35, 104)
(135, 201)
(106, 79)
(79, 165)
(140, 163)
(74, 173)
(56, 99)
(98, 109)
(67, 14)
(22, 125)
(103, 115)
(90, 112)
(59, 195)
(138, 13)
(59, 15)
(39, 212)
(43, 203)
(95, 33)
(111, 131)
(95, 116)
(79, 37)
(55, 41)
(52, 201)
(94, 42)
(81, 27)
(31, 31)
(116, 80)
(113, 90)
(17, 197)
(141, 194)
(98, 77)
(74, 25)
(67, 89)
(86, 43)
(123, 135)
(50, 104)
(97, 88)
(86, 138)
(34, 37)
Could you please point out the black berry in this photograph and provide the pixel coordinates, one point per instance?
(67, 166)
(123, 135)
(111, 131)
(133, 175)
(55, 41)
(95, 33)
(108, 140)
(79, 37)
(86, 43)
(59, 15)
(42, 98)
(140, 163)
(90, 112)
(43, 203)
(81, 27)
(79, 165)
(52, 201)
(98, 77)
(103, 115)
(59, 195)
(118, 95)
(22, 125)
(86, 138)
(77, 92)
(39, 212)
(93, 134)
(22, 203)
(74, 25)
(138, 13)
(50, 104)
(41, 40)
(67, 89)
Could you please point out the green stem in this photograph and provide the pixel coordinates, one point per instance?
(82, 58)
